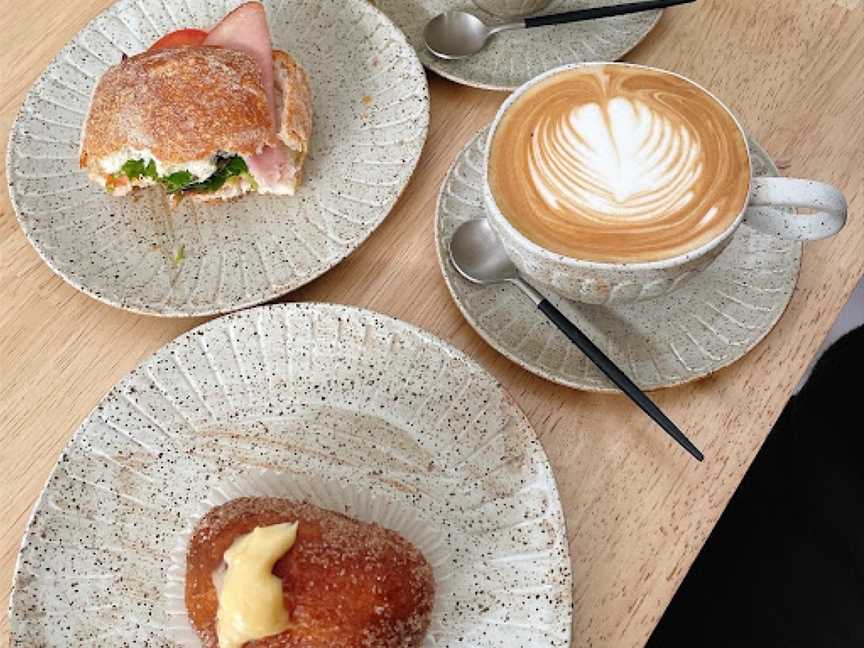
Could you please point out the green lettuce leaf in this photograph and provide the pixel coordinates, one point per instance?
(134, 169)
(225, 168)
(177, 181)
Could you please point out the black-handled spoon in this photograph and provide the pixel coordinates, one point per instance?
(478, 255)
(601, 12)
(458, 34)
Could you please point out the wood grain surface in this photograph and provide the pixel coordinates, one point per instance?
(638, 509)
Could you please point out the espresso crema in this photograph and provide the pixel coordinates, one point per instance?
(614, 163)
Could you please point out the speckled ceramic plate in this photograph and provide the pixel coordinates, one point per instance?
(355, 397)
(371, 115)
(708, 324)
(511, 59)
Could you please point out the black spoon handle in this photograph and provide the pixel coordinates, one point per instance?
(617, 376)
(601, 12)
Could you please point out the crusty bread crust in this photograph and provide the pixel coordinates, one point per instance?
(180, 103)
(294, 102)
(295, 120)
(346, 583)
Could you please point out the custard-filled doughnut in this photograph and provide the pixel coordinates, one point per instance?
(345, 583)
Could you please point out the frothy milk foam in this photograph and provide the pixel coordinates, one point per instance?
(618, 163)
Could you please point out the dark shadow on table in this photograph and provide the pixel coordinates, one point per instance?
(785, 564)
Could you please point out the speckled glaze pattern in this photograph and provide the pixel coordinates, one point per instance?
(710, 323)
(611, 285)
(355, 397)
(826, 204)
(371, 105)
(513, 58)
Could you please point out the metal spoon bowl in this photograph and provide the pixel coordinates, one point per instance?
(458, 34)
(477, 255)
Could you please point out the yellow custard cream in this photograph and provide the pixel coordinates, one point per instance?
(250, 596)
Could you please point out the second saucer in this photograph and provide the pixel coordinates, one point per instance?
(514, 58)
(710, 323)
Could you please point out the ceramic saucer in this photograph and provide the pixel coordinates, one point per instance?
(710, 323)
(513, 58)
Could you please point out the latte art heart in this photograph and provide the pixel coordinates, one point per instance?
(618, 165)
(624, 161)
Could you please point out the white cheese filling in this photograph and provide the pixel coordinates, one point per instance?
(201, 169)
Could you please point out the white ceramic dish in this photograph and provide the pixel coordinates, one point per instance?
(353, 396)
(512, 58)
(706, 325)
(371, 116)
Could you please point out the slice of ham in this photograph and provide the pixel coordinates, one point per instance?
(245, 29)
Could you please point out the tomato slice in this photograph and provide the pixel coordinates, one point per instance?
(180, 38)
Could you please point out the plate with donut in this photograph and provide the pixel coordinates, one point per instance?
(412, 504)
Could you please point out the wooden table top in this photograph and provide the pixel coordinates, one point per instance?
(638, 509)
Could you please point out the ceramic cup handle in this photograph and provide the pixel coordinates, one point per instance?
(828, 204)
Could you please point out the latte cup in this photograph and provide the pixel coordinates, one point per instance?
(512, 8)
(764, 204)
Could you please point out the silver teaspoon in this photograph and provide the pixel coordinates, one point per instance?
(478, 255)
(459, 34)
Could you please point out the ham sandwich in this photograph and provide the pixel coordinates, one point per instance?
(208, 121)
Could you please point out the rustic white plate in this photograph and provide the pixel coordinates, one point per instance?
(708, 324)
(371, 117)
(346, 394)
(512, 58)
